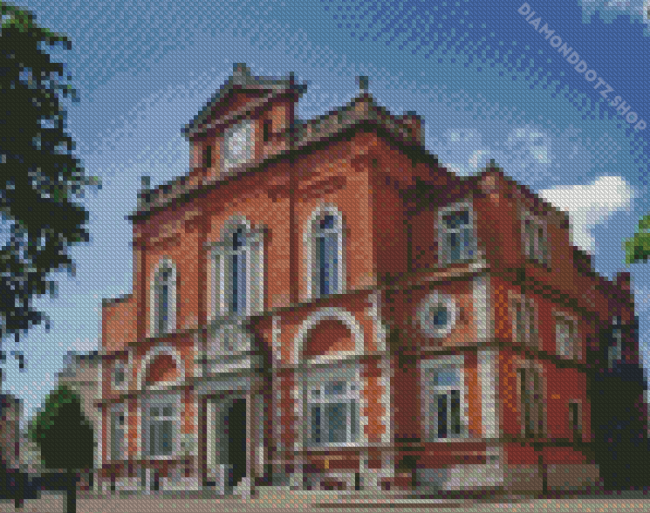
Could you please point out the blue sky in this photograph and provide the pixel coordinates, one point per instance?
(488, 83)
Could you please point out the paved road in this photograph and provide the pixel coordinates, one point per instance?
(298, 503)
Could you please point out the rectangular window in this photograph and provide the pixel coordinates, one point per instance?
(267, 130)
(333, 413)
(119, 375)
(458, 243)
(207, 160)
(535, 239)
(160, 430)
(615, 349)
(524, 326)
(566, 336)
(442, 394)
(575, 421)
(531, 402)
(118, 434)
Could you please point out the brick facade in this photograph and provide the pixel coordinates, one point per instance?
(405, 372)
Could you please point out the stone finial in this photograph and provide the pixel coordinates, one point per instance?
(363, 84)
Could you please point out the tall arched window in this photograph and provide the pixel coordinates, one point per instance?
(237, 271)
(237, 279)
(164, 299)
(326, 246)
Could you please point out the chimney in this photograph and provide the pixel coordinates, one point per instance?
(415, 125)
(624, 282)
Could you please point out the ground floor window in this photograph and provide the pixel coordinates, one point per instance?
(333, 407)
(443, 399)
(161, 425)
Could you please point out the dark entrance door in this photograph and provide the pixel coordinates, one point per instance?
(236, 426)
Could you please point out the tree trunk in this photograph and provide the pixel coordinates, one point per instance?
(71, 495)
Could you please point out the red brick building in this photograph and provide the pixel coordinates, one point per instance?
(322, 304)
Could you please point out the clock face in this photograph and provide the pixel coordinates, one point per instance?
(437, 315)
(238, 144)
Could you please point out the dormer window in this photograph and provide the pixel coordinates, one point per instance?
(456, 233)
(535, 243)
(238, 144)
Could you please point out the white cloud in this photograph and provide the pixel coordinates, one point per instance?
(589, 205)
(642, 299)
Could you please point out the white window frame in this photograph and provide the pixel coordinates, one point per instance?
(469, 251)
(434, 300)
(318, 379)
(170, 326)
(615, 352)
(160, 400)
(429, 391)
(118, 409)
(221, 270)
(311, 245)
(119, 366)
(537, 248)
(538, 407)
(566, 345)
(246, 130)
(530, 337)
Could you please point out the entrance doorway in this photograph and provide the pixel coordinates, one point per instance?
(235, 424)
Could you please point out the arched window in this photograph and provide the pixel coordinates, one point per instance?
(164, 299)
(326, 246)
(237, 270)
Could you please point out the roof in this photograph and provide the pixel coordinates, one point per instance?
(362, 110)
(241, 79)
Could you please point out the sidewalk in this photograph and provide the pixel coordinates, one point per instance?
(293, 501)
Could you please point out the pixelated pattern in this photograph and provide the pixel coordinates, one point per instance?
(329, 302)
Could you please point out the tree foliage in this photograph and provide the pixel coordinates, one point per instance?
(63, 433)
(40, 179)
(637, 248)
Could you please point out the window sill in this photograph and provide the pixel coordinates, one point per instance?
(162, 458)
(329, 447)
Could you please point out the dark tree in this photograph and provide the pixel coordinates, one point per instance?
(40, 178)
(65, 437)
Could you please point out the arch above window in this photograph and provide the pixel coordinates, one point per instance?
(325, 246)
(163, 299)
(314, 319)
(150, 358)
